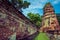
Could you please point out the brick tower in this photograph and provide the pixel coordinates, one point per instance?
(49, 20)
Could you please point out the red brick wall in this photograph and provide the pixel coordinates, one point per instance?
(12, 21)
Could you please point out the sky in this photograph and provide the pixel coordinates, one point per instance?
(36, 6)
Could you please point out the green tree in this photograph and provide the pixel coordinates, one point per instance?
(58, 17)
(35, 18)
(19, 4)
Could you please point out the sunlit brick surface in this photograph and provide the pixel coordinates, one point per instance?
(49, 20)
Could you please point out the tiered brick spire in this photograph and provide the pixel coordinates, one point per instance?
(49, 20)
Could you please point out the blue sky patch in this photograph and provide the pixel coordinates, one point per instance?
(36, 6)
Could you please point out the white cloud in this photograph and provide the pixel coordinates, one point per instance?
(56, 2)
(38, 4)
(43, 1)
(35, 4)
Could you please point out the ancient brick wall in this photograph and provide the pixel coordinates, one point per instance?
(12, 21)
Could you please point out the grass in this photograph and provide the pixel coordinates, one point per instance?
(13, 37)
(41, 36)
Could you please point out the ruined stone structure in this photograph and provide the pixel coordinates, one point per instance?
(49, 20)
(13, 22)
(50, 23)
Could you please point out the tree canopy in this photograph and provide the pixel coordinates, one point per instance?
(35, 18)
(58, 17)
(19, 4)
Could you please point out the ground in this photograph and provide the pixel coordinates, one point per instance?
(41, 36)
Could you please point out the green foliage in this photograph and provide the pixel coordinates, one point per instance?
(25, 4)
(35, 18)
(13, 37)
(41, 36)
(19, 4)
(58, 17)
